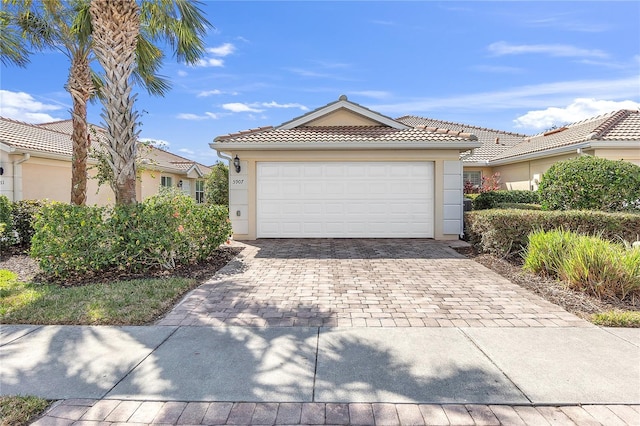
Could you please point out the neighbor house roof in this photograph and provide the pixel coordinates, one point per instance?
(55, 138)
(615, 129)
(494, 142)
(33, 138)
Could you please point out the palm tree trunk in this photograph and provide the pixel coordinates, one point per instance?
(116, 26)
(80, 87)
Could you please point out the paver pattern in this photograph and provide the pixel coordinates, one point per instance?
(362, 283)
(114, 412)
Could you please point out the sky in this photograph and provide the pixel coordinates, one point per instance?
(508, 65)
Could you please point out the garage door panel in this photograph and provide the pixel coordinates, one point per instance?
(346, 199)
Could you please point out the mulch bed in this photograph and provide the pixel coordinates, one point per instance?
(27, 269)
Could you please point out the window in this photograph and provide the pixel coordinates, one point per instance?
(166, 181)
(474, 177)
(199, 191)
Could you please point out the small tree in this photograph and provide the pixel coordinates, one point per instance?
(591, 183)
(216, 188)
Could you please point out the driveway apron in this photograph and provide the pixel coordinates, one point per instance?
(362, 283)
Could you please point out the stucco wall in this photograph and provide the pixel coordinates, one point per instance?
(343, 117)
(630, 155)
(242, 187)
(526, 174)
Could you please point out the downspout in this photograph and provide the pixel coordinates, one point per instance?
(17, 177)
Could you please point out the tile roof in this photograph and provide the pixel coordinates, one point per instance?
(344, 134)
(55, 138)
(35, 138)
(494, 142)
(615, 126)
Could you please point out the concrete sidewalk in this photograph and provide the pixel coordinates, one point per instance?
(326, 368)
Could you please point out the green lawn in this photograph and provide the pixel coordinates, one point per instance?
(135, 302)
(19, 410)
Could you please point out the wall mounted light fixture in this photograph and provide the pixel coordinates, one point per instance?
(236, 163)
(1, 171)
(180, 183)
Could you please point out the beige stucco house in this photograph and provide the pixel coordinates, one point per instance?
(521, 160)
(35, 162)
(345, 171)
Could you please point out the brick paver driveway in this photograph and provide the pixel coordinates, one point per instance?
(361, 282)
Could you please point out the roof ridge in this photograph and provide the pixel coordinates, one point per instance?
(462, 124)
(35, 126)
(611, 122)
(244, 132)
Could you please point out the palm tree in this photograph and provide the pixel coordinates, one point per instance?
(119, 39)
(12, 49)
(65, 27)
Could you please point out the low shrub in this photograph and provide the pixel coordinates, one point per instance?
(162, 232)
(489, 200)
(24, 216)
(519, 206)
(586, 263)
(505, 232)
(591, 183)
(6, 229)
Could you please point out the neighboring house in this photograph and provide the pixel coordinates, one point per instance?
(475, 162)
(522, 160)
(614, 136)
(346, 171)
(36, 164)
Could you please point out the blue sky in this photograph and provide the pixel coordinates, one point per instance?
(515, 66)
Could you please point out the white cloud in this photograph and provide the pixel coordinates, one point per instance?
(23, 107)
(223, 50)
(210, 62)
(196, 117)
(240, 107)
(274, 104)
(375, 94)
(182, 73)
(523, 97)
(578, 110)
(158, 143)
(206, 93)
(502, 48)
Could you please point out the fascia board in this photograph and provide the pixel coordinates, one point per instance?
(540, 154)
(6, 148)
(615, 144)
(347, 105)
(226, 147)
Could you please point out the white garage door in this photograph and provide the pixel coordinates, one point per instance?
(345, 200)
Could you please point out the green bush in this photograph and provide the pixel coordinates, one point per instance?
(490, 200)
(7, 238)
(71, 240)
(586, 263)
(505, 232)
(24, 216)
(162, 232)
(591, 183)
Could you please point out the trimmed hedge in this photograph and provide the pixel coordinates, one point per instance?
(162, 232)
(591, 183)
(491, 199)
(24, 216)
(505, 232)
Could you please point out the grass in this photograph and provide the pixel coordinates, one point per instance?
(135, 302)
(19, 410)
(585, 263)
(617, 319)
